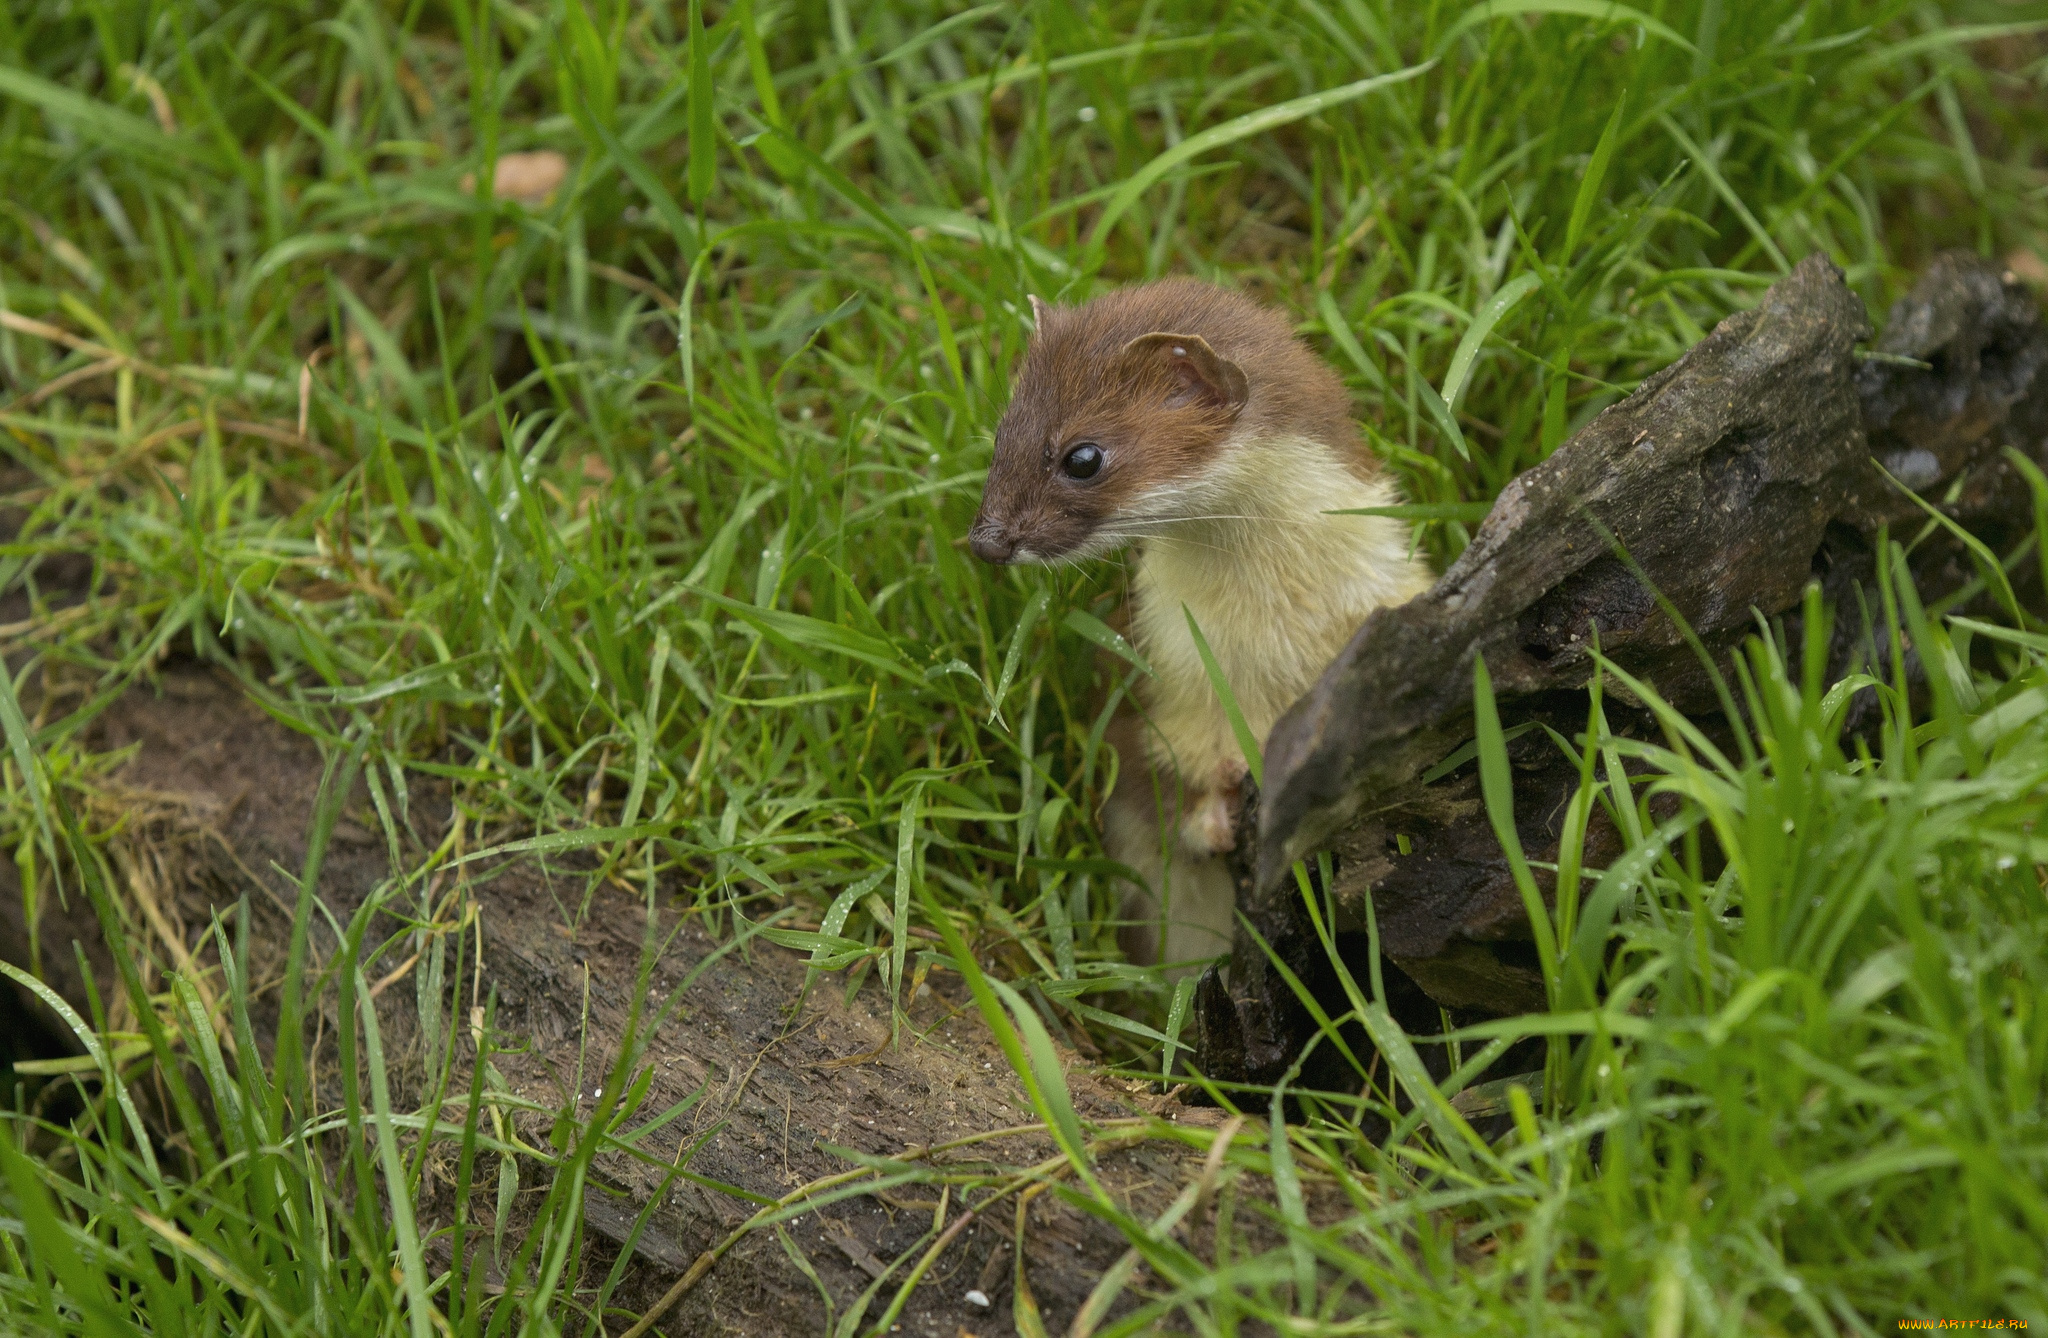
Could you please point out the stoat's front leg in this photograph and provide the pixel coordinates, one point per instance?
(1193, 740)
(1183, 908)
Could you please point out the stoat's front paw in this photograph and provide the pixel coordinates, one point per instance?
(1210, 827)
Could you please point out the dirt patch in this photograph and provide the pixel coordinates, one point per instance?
(218, 796)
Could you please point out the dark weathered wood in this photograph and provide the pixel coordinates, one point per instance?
(1728, 482)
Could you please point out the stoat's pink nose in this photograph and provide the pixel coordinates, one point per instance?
(991, 544)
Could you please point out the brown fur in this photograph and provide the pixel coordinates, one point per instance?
(1106, 372)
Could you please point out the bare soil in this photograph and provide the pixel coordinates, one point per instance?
(217, 798)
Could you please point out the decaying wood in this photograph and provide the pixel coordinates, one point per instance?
(1727, 483)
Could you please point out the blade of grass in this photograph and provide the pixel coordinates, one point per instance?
(1230, 132)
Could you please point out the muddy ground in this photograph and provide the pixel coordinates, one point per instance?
(216, 793)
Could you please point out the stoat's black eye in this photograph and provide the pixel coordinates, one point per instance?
(1083, 462)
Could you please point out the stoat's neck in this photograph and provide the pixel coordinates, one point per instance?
(1277, 585)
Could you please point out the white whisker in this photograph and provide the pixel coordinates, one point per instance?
(1180, 539)
(1184, 520)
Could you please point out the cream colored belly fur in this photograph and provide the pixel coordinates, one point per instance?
(1277, 588)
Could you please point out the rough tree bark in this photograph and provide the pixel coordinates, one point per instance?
(1728, 482)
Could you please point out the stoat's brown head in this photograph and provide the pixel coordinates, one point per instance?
(1126, 407)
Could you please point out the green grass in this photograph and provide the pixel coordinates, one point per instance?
(632, 517)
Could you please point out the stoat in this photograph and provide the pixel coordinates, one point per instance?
(1190, 421)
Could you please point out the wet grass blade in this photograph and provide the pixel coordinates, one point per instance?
(1246, 741)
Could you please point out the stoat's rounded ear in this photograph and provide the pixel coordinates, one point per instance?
(1198, 373)
(1041, 312)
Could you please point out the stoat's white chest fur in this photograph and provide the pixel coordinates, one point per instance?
(1276, 585)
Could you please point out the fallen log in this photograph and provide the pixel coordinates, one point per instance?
(1726, 484)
